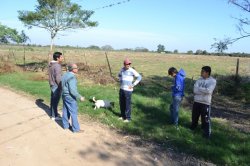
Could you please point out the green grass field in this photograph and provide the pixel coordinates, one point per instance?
(150, 103)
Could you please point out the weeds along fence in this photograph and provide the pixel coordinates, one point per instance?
(149, 64)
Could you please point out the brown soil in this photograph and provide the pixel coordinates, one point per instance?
(29, 137)
(236, 113)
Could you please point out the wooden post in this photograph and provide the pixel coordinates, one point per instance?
(85, 59)
(24, 56)
(108, 64)
(237, 68)
(13, 54)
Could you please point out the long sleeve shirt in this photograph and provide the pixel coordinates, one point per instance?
(69, 86)
(203, 89)
(55, 73)
(126, 78)
(179, 84)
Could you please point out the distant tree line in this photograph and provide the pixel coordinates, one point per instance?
(142, 49)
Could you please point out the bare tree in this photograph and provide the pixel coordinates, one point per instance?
(220, 46)
(244, 5)
(242, 26)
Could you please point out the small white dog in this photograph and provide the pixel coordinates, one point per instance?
(102, 103)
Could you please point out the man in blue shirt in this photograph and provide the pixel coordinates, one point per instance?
(177, 93)
(70, 96)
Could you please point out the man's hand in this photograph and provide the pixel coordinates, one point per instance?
(130, 87)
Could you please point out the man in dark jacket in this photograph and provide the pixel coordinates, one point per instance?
(177, 93)
(55, 74)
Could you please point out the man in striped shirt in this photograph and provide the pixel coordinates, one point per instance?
(126, 77)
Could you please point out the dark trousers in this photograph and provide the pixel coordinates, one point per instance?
(125, 104)
(54, 100)
(202, 110)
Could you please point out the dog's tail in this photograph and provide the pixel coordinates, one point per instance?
(94, 99)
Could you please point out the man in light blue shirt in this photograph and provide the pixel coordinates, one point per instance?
(70, 96)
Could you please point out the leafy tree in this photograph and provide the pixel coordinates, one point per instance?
(93, 47)
(56, 16)
(8, 34)
(190, 52)
(160, 48)
(176, 51)
(198, 52)
(107, 48)
(141, 49)
(23, 38)
(204, 52)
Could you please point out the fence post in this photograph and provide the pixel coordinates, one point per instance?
(237, 68)
(108, 64)
(24, 56)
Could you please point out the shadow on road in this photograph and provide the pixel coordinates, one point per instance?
(45, 108)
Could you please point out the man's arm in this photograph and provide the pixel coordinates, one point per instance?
(209, 89)
(73, 88)
(58, 72)
(138, 78)
(204, 90)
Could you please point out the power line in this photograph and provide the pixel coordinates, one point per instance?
(112, 5)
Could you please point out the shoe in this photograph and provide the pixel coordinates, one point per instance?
(126, 121)
(177, 127)
(121, 118)
(58, 118)
(80, 131)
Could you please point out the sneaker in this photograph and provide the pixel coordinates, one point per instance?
(58, 118)
(121, 118)
(80, 131)
(126, 121)
(177, 127)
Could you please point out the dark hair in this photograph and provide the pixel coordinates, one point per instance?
(207, 69)
(56, 55)
(71, 66)
(172, 70)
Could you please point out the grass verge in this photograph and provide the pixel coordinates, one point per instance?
(150, 118)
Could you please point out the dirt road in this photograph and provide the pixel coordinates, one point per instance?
(29, 137)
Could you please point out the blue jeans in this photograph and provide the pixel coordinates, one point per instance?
(70, 109)
(54, 100)
(125, 104)
(174, 109)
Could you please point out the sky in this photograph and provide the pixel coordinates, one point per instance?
(177, 24)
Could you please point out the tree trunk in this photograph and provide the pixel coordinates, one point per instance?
(51, 50)
(24, 57)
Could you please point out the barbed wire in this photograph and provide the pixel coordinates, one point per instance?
(112, 5)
